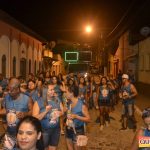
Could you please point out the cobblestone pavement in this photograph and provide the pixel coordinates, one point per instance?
(110, 138)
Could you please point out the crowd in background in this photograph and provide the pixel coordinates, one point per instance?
(61, 104)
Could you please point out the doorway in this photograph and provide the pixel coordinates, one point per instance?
(23, 68)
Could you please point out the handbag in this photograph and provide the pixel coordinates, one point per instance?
(82, 140)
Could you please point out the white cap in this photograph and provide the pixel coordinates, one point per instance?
(125, 76)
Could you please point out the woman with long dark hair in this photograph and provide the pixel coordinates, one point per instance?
(77, 116)
(104, 92)
(82, 89)
(29, 134)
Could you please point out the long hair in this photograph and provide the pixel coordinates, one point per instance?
(83, 79)
(37, 126)
(74, 89)
(102, 79)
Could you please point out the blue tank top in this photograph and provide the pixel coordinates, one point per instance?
(78, 110)
(104, 94)
(146, 132)
(12, 108)
(58, 91)
(127, 89)
(50, 120)
(33, 95)
(82, 91)
(88, 88)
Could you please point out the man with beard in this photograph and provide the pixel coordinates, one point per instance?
(16, 106)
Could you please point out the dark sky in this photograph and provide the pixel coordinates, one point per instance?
(62, 19)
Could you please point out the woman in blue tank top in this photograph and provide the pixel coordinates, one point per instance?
(58, 87)
(32, 92)
(144, 132)
(104, 92)
(49, 112)
(82, 89)
(77, 115)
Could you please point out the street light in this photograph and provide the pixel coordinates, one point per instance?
(99, 52)
(88, 29)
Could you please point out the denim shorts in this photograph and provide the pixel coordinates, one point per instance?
(51, 137)
(104, 103)
(72, 136)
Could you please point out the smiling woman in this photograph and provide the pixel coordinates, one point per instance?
(29, 134)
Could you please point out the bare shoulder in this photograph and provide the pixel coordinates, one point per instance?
(140, 132)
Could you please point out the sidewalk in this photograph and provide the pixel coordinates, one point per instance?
(143, 98)
(142, 101)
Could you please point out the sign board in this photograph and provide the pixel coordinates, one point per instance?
(85, 56)
(71, 56)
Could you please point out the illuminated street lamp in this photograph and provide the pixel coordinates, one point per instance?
(88, 29)
(99, 51)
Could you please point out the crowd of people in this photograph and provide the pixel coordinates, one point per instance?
(36, 111)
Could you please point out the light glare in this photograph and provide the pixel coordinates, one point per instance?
(88, 29)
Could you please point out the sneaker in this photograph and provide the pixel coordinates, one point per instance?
(123, 129)
(62, 132)
(107, 124)
(97, 107)
(101, 127)
(97, 120)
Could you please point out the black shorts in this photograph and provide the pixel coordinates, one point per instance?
(72, 136)
(104, 103)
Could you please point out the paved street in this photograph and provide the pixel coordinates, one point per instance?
(142, 101)
(110, 138)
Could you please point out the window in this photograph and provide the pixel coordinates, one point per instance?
(4, 65)
(23, 67)
(14, 66)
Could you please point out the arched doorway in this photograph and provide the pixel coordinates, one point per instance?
(29, 66)
(14, 66)
(23, 67)
(35, 67)
(4, 65)
(40, 67)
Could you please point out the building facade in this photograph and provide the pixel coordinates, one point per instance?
(20, 53)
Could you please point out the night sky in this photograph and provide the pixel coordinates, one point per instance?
(62, 19)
